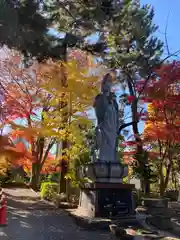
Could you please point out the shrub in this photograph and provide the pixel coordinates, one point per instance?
(6, 177)
(3, 179)
(54, 177)
(49, 190)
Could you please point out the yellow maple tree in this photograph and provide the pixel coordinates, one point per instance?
(51, 111)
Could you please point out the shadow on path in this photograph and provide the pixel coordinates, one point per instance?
(47, 224)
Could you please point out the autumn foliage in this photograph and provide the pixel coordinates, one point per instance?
(162, 128)
(159, 104)
(41, 109)
(164, 109)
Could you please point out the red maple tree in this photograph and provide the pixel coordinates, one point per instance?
(162, 129)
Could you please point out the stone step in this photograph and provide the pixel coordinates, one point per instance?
(126, 218)
(94, 223)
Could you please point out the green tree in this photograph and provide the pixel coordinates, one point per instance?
(126, 30)
(25, 26)
(135, 51)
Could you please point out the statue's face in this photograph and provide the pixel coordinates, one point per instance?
(107, 83)
(107, 86)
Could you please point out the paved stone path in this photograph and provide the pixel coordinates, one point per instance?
(27, 222)
(49, 224)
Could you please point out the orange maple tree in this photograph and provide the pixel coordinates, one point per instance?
(30, 105)
(162, 129)
(22, 105)
(161, 137)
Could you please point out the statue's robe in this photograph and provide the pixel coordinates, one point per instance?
(107, 129)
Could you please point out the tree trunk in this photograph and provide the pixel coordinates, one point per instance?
(63, 184)
(139, 149)
(179, 193)
(63, 171)
(135, 120)
(64, 164)
(162, 189)
(35, 176)
(146, 187)
(161, 184)
(164, 180)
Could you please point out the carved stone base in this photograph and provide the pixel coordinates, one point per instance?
(99, 171)
(108, 200)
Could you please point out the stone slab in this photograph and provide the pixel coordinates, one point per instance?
(160, 222)
(82, 220)
(143, 218)
(109, 180)
(175, 205)
(155, 202)
(110, 185)
(176, 225)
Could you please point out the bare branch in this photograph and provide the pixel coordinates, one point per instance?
(125, 125)
(166, 40)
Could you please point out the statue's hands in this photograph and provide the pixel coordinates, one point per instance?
(98, 136)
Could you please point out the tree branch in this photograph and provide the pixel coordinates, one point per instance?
(126, 125)
(166, 40)
(50, 145)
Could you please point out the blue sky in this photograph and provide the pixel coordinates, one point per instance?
(163, 8)
(166, 12)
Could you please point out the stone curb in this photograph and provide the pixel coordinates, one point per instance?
(103, 225)
(90, 224)
(42, 206)
(176, 225)
(50, 205)
(61, 205)
(37, 194)
(23, 197)
(143, 219)
(100, 223)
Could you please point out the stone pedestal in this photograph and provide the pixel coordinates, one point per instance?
(107, 200)
(106, 196)
(112, 172)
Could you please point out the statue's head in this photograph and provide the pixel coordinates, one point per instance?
(107, 83)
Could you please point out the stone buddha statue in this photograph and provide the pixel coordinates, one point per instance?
(107, 113)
